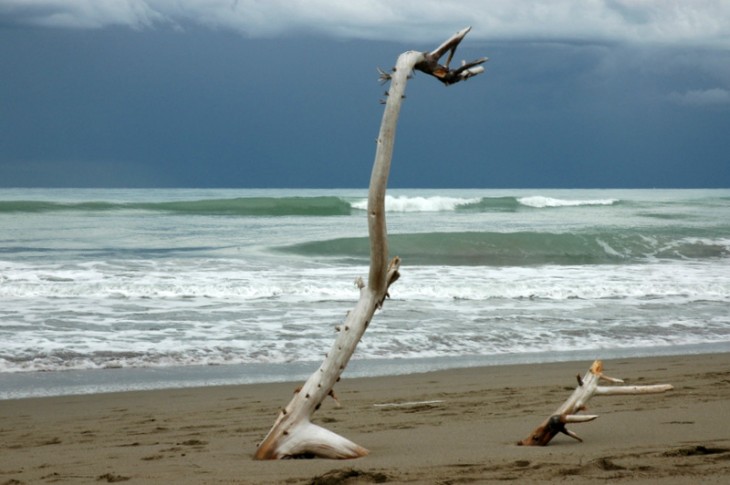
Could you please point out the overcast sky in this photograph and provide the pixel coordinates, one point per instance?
(246, 93)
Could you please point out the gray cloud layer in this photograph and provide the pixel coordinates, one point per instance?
(702, 97)
(699, 23)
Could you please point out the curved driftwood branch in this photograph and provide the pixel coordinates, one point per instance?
(293, 434)
(587, 388)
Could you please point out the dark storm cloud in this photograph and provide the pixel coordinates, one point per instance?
(239, 93)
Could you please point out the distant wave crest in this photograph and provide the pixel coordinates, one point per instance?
(244, 206)
(478, 204)
(305, 206)
(539, 201)
(526, 248)
(420, 204)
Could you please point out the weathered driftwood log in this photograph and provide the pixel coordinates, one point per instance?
(587, 388)
(293, 434)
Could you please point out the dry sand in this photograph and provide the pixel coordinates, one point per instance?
(456, 426)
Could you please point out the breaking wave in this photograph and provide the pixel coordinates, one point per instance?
(304, 206)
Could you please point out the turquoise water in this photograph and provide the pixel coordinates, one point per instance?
(103, 288)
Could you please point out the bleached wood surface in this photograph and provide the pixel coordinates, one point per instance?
(587, 388)
(293, 434)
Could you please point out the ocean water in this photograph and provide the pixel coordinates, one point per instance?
(110, 289)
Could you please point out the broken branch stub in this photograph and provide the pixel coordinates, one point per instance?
(430, 63)
(293, 434)
(587, 388)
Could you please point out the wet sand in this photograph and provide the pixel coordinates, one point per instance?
(455, 426)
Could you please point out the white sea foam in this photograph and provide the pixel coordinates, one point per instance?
(540, 201)
(419, 204)
(444, 203)
(180, 280)
(179, 314)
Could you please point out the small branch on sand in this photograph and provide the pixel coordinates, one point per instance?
(407, 404)
(587, 388)
(293, 434)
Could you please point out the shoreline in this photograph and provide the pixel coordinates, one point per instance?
(445, 426)
(36, 384)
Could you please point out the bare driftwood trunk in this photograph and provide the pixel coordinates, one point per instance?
(293, 434)
(587, 388)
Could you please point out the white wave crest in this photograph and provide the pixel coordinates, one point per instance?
(540, 201)
(418, 204)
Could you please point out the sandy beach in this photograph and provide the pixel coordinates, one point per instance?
(455, 426)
